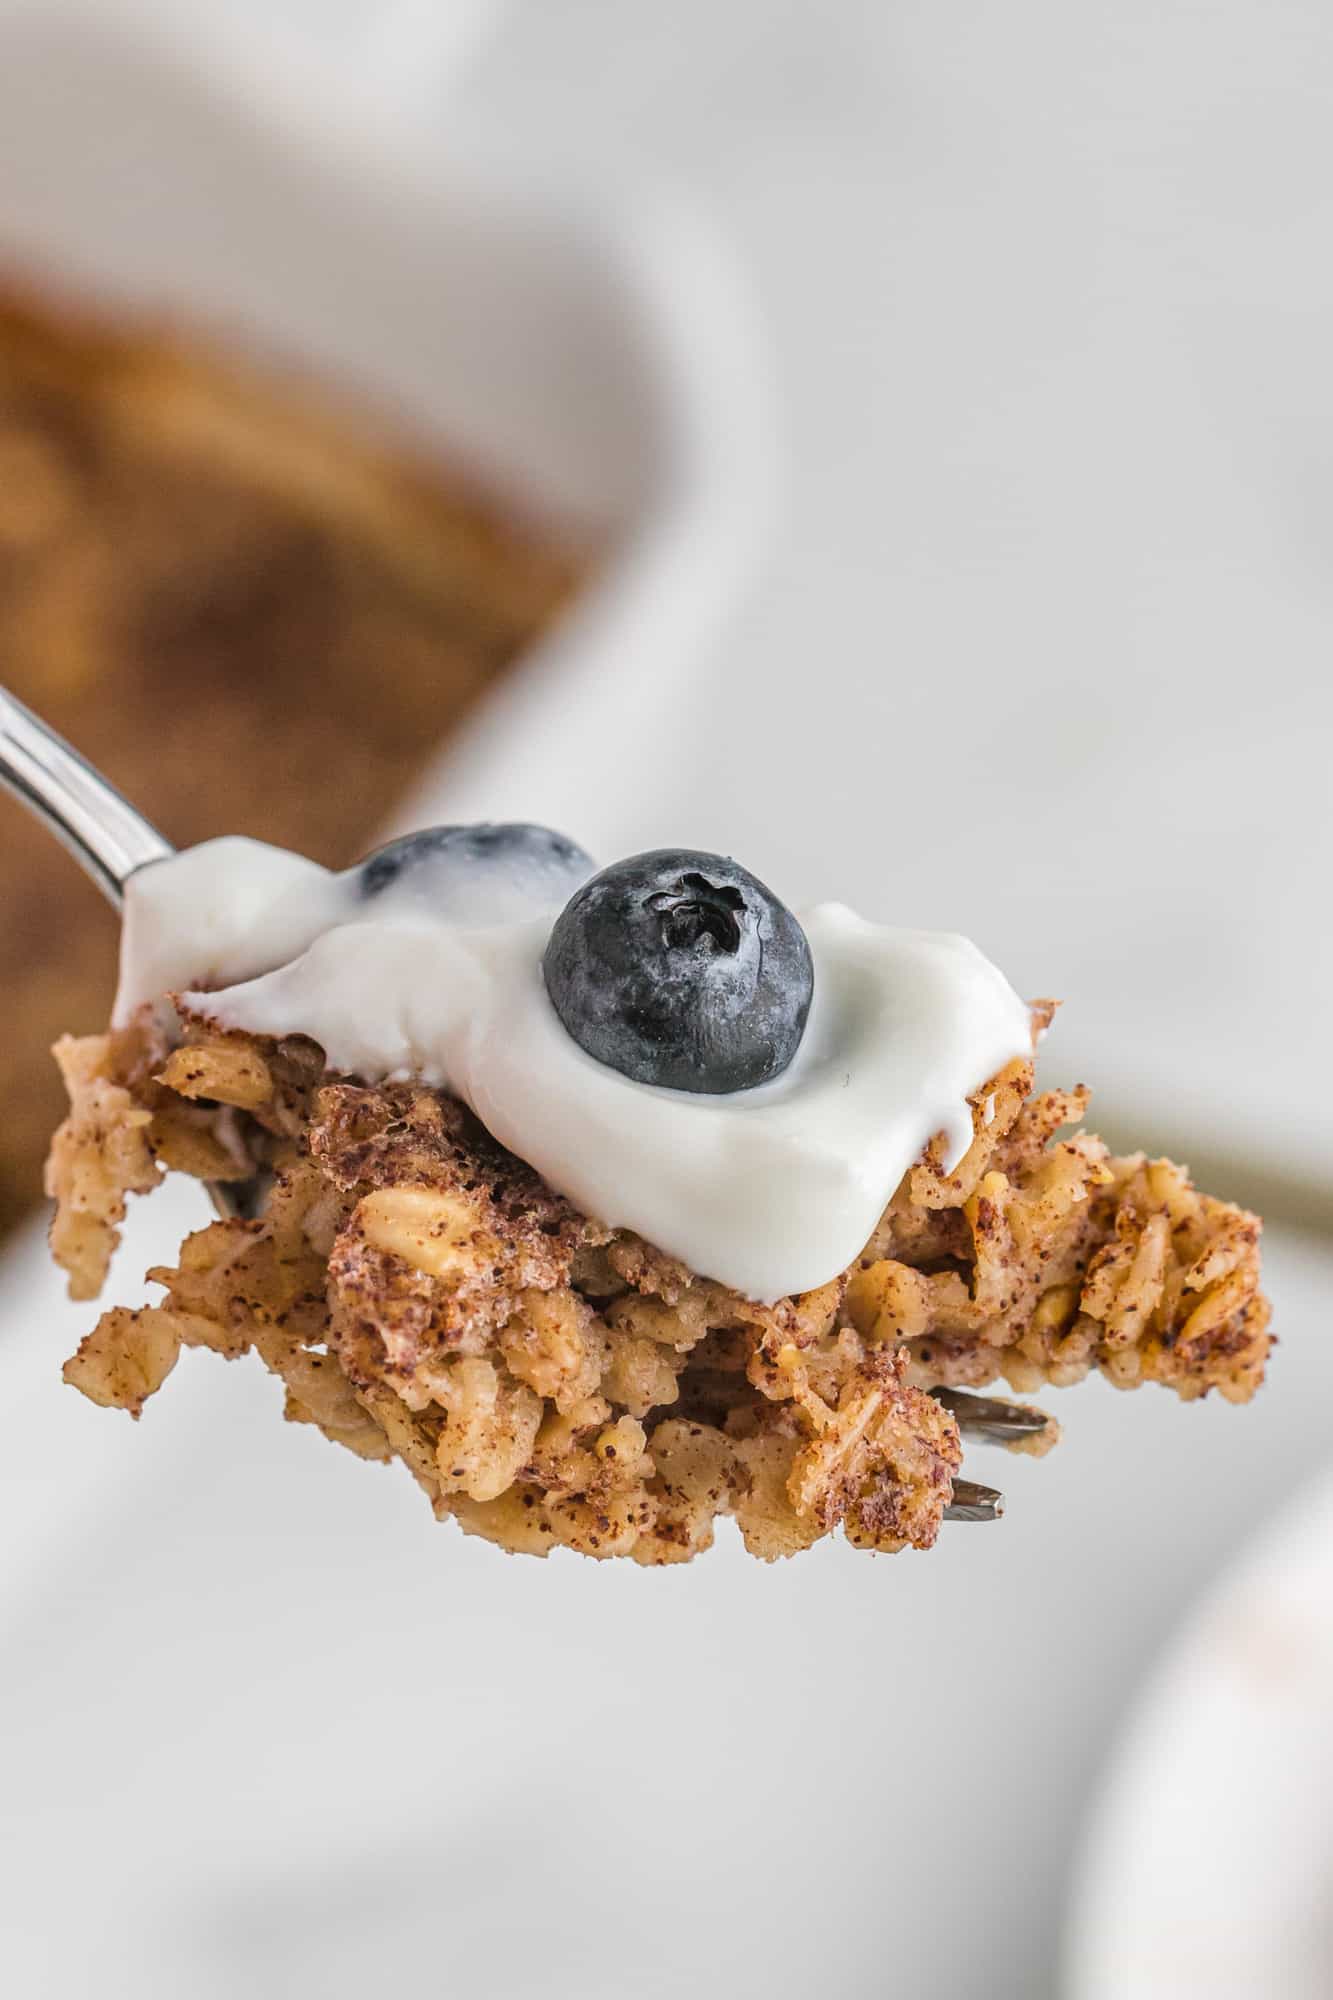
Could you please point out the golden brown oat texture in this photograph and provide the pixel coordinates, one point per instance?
(550, 1382)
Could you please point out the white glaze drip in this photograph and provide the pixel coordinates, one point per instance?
(771, 1191)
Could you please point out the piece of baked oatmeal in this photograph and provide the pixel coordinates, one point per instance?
(552, 1381)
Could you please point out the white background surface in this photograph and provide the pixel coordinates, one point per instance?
(271, 1730)
(1042, 655)
(1044, 651)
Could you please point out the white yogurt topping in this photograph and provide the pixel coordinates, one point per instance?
(772, 1190)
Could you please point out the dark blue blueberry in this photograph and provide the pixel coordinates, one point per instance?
(474, 875)
(681, 969)
(511, 844)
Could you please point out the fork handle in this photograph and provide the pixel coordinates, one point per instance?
(103, 832)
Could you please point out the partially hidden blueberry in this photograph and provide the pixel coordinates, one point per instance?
(492, 872)
(681, 969)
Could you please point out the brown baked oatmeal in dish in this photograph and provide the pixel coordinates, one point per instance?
(549, 1380)
(194, 550)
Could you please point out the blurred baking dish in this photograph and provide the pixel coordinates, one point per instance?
(208, 580)
(306, 437)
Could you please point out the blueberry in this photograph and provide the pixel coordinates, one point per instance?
(487, 873)
(681, 969)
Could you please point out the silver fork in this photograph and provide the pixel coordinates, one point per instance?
(110, 840)
(106, 835)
